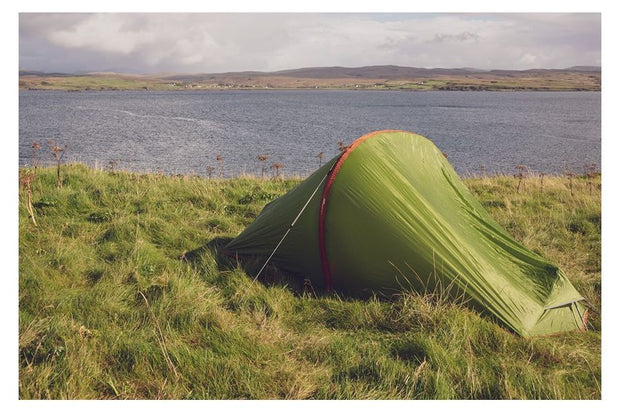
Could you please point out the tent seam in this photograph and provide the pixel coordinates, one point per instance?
(325, 265)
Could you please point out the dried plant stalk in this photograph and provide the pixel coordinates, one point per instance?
(26, 178)
(520, 175)
(320, 157)
(219, 159)
(277, 166)
(58, 154)
(570, 182)
(262, 159)
(210, 170)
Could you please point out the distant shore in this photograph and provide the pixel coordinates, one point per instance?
(366, 78)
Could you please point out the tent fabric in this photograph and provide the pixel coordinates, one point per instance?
(394, 216)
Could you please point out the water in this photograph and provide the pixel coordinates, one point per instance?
(183, 132)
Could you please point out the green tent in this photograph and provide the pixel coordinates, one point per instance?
(390, 214)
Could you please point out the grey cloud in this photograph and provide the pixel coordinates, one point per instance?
(461, 37)
(41, 24)
(217, 42)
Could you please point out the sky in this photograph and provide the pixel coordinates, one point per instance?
(223, 42)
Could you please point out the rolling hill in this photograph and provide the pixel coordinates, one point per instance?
(367, 77)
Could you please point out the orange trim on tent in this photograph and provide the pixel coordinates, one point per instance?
(325, 267)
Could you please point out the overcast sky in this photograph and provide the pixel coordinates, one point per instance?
(216, 42)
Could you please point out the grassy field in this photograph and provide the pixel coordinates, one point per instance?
(555, 81)
(123, 295)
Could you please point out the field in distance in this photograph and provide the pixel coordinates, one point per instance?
(578, 78)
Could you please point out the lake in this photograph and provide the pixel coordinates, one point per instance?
(183, 132)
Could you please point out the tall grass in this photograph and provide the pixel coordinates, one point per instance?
(123, 295)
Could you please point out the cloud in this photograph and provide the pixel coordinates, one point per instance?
(461, 37)
(216, 42)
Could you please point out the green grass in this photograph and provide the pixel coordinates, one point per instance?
(122, 295)
(91, 82)
(560, 81)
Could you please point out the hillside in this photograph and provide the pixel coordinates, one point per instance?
(123, 295)
(368, 77)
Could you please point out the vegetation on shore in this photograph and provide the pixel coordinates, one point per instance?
(123, 295)
(366, 78)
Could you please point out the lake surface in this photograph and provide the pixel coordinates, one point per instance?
(184, 132)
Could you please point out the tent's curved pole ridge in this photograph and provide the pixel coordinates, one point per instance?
(331, 177)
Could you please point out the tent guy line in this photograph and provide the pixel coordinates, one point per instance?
(391, 200)
(290, 227)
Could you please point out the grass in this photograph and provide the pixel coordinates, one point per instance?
(495, 81)
(122, 295)
(91, 82)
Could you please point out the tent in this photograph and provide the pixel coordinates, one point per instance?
(390, 214)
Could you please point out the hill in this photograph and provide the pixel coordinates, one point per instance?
(387, 77)
(123, 295)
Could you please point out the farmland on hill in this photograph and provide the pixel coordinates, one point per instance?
(361, 78)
